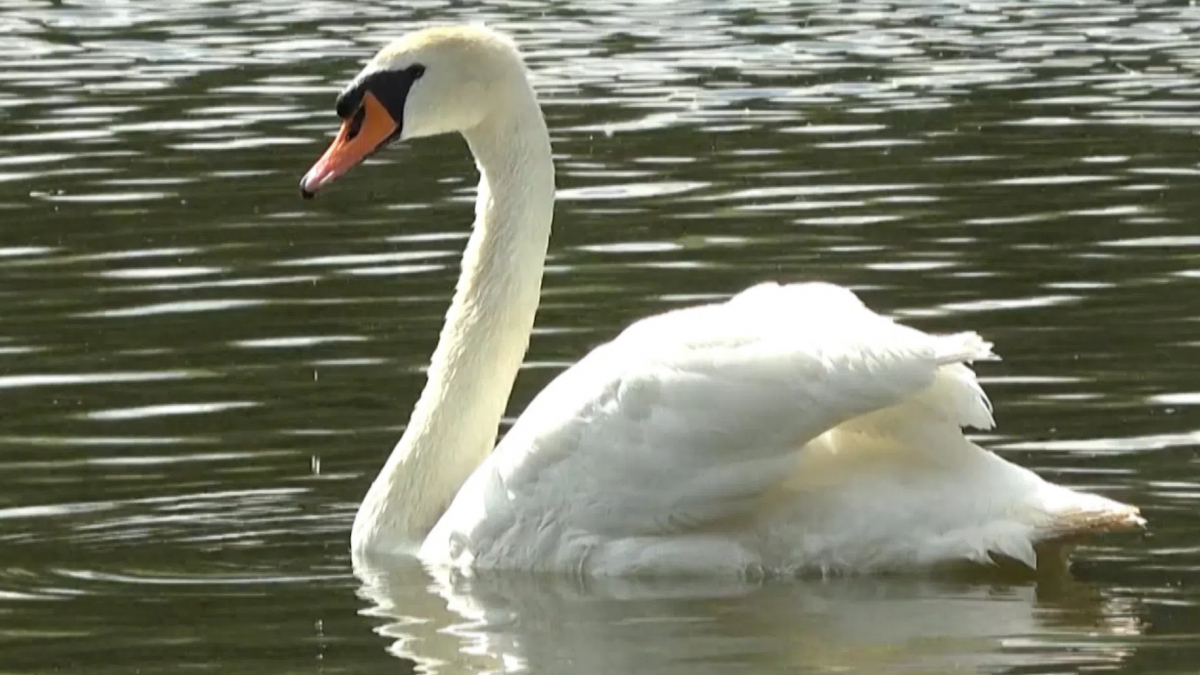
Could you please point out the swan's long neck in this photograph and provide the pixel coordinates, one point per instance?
(455, 421)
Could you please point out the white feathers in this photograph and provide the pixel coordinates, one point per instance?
(789, 429)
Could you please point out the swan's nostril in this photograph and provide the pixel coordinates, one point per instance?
(356, 123)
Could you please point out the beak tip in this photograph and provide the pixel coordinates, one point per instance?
(312, 181)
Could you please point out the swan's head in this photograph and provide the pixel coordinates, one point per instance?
(433, 81)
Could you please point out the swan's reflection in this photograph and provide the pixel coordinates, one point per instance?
(451, 623)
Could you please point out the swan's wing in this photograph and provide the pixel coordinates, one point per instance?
(693, 416)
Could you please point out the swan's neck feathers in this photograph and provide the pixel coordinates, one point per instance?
(454, 424)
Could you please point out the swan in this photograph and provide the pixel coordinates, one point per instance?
(788, 430)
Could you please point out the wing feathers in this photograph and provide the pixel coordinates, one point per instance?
(691, 416)
(963, 348)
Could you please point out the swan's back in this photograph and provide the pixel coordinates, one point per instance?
(789, 429)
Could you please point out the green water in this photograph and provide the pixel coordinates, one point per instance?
(200, 373)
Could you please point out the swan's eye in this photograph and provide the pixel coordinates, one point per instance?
(417, 70)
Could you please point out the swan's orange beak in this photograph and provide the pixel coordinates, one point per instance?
(366, 131)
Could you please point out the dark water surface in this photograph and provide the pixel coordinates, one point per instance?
(200, 373)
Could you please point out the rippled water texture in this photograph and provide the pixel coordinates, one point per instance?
(200, 373)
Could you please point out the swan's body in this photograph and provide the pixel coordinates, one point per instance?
(786, 430)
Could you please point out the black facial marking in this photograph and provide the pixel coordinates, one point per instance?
(389, 86)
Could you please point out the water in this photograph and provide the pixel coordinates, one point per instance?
(200, 373)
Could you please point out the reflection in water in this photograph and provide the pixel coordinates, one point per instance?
(498, 622)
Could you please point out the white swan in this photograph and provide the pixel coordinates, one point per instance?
(790, 429)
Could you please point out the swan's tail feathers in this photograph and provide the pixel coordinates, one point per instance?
(1078, 514)
(964, 348)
